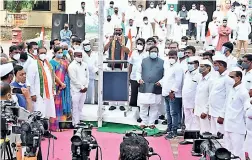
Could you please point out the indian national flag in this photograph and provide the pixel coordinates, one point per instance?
(131, 43)
(41, 37)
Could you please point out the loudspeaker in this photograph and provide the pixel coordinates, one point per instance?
(58, 21)
(77, 25)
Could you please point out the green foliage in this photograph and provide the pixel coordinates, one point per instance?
(18, 5)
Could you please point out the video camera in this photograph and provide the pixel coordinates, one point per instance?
(82, 140)
(9, 115)
(135, 133)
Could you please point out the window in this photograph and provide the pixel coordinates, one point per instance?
(61, 5)
(42, 5)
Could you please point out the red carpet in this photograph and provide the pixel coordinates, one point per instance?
(184, 153)
(109, 143)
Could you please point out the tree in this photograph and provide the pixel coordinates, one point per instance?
(18, 5)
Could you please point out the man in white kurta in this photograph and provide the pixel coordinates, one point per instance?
(146, 30)
(201, 24)
(201, 109)
(191, 79)
(248, 116)
(218, 95)
(232, 22)
(38, 76)
(150, 76)
(227, 49)
(79, 80)
(234, 123)
(213, 28)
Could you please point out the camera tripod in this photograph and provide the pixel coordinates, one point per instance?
(5, 146)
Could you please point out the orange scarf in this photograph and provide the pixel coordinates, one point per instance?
(113, 51)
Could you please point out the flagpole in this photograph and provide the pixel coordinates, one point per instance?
(100, 63)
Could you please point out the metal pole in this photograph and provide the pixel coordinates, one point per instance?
(100, 62)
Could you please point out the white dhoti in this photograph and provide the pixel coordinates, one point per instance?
(204, 124)
(78, 100)
(234, 143)
(190, 120)
(161, 107)
(184, 29)
(149, 103)
(248, 140)
(45, 106)
(216, 127)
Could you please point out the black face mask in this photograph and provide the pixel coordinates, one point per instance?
(116, 11)
(118, 33)
(131, 24)
(108, 19)
(66, 28)
(82, 7)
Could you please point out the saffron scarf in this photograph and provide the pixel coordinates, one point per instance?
(113, 51)
(43, 79)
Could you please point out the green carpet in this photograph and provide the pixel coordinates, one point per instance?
(123, 128)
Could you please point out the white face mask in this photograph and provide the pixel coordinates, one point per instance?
(42, 57)
(21, 84)
(183, 9)
(193, 7)
(78, 59)
(87, 48)
(139, 9)
(218, 8)
(190, 67)
(35, 52)
(171, 9)
(183, 43)
(145, 22)
(152, 5)
(181, 54)
(172, 61)
(139, 47)
(16, 56)
(201, 9)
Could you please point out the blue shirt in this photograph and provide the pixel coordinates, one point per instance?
(65, 36)
(20, 97)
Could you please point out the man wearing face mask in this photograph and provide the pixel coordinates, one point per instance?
(14, 54)
(160, 19)
(146, 31)
(247, 66)
(32, 50)
(150, 90)
(150, 42)
(108, 27)
(232, 22)
(79, 81)
(201, 24)
(171, 21)
(65, 34)
(243, 30)
(234, 124)
(172, 91)
(42, 80)
(116, 17)
(227, 49)
(135, 62)
(82, 10)
(193, 19)
(191, 78)
(91, 60)
(130, 11)
(183, 16)
(139, 17)
(224, 32)
(150, 13)
(218, 13)
(189, 52)
(131, 28)
(201, 109)
(218, 95)
(213, 28)
(244, 12)
(110, 10)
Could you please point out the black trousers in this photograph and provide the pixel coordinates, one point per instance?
(134, 93)
(192, 29)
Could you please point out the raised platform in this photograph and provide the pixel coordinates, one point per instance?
(89, 113)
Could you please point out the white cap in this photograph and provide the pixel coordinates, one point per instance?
(5, 69)
(201, 51)
(193, 58)
(63, 44)
(210, 48)
(236, 69)
(77, 51)
(86, 41)
(206, 61)
(220, 57)
(118, 26)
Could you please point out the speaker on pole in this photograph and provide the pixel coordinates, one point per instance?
(58, 21)
(77, 25)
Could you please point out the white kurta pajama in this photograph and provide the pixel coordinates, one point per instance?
(188, 93)
(202, 102)
(79, 79)
(234, 122)
(44, 105)
(248, 140)
(213, 28)
(217, 100)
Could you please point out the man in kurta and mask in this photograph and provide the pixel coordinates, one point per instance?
(42, 81)
(118, 49)
(150, 76)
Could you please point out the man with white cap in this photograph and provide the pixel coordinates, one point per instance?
(218, 95)
(42, 84)
(6, 72)
(79, 81)
(91, 60)
(227, 49)
(234, 123)
(201, 109)
(191, 79)
(118, 49)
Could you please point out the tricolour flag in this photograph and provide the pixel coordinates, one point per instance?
(41, 37)
(131, 43)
